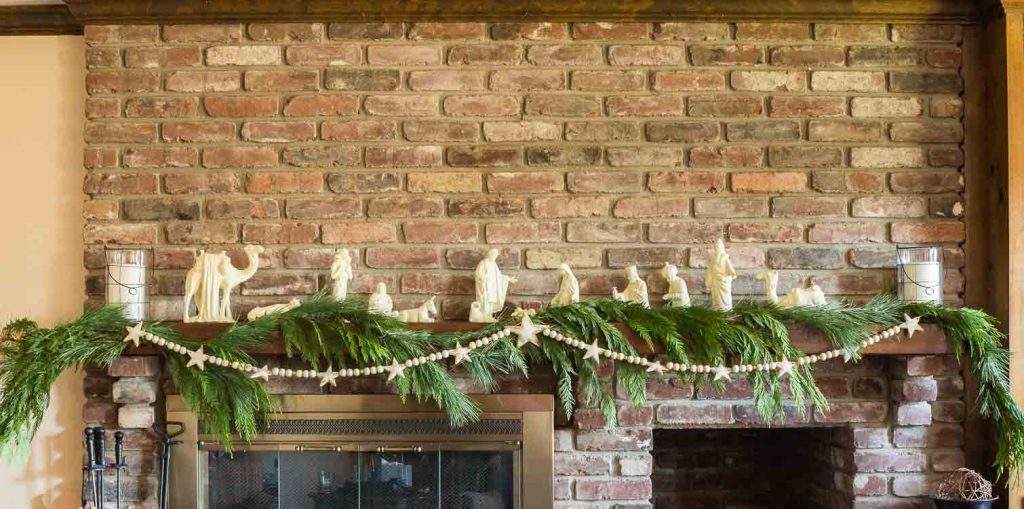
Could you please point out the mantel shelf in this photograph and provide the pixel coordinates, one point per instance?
(931, 341)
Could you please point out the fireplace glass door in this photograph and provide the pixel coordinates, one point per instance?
(337, 477)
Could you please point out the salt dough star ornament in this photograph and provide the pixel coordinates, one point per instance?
(527, 332)
(461, 354)
(134, 334)
(912, 325)
(593, 352)
(655, 367)
(395, 370)
(722, 373)
(197, 359)
(261, 374)
(785, 368)
(329, 377)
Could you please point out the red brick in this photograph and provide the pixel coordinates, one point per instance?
(846, 233)
(241, 106)
(160, 210)
(572, 206)
(278, 132)
(523, 80)
(201, 233)
(603, 232)
(738, 54)
(563, 156)
(243, 55)
(857, 411)
(437, 284)
(605, 182)
(730, 207)
(645, 106)
(405, 207)
(602, 131)
(726, 156)
(202, 33)
(444, 182)
(689, 80)
(242, 208)
(120, 132)
(279, 284)
(190, 183)
(620, 439)
(402, 258)
(926, 132)
(402, 106)
(927, 33)
(646, 156)
(286, 32)
(513, 233)
(765, 232)
(440, 232)
(366, 31)
(487, 207)
(397, 157)
(563, 106)
(565, 54)
(323, 208)
(203, 81)
(361, 79)
(848, 182)
(692, 413)
(798, 156)
(239, 157)
(763, 130)
(843, 32)
(551, 258)
(646, 55)
(810, 106)
(447, 80)
(321, 55)
(848, 81)
(125, 234)
(199, 132)
(769, 182)
(613, 31)
(725, 106)
(484, 156)
(120, 183)
(122, 82)
(686, 132)
(94, 158)
(102, 107)
(808, 207)
(646, 257)
(485, 54)
(768, 81)
(446, 31)
(161, 107)
(481, 105)
(525, 182)
(322, 156)
(843, 130)
(174, 157)
(284, 182)
(686, 182)
(280, 233)
(588, 81)
(530, 31)
(927, 182)
(358, 233)
(808, 56)
(581, 464)
(358, 130)
(321, 105)
(890, 206)
(377, 182)
(614, 489)
(928, 232)
(185, 56)
(282, 81)
(100, 210)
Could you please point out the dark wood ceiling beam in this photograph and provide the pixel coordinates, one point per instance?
(38, 20)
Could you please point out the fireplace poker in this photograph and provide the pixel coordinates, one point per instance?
(167, 439)
(101, 462)
(90, 465)
(118, 463)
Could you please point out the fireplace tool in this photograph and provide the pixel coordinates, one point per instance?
(96, 466)
(167, 439)
(119, 463)
(90, 465)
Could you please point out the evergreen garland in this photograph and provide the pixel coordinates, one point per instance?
(345, 334)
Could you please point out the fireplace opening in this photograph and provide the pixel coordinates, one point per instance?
(792, 468)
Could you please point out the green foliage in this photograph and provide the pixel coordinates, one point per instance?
(325, 332)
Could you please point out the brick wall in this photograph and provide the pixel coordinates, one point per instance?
(812, 148)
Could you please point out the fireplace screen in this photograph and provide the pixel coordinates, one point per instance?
(373, 452)
(408, 479)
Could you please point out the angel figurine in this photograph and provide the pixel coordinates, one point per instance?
(568, 288)
(719, 276)
(341, 274)
(491, 289)
(636, 289)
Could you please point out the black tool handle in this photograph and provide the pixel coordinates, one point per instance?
(90, 446)
(119, 449)
(101, 447)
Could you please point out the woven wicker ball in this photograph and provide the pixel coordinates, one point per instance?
(964, 484)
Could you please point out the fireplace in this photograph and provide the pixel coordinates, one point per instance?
(372, 452)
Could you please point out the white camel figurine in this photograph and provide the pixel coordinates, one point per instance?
(210, 281)
(811, 296)
(425, 313)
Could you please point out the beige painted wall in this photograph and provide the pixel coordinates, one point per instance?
(42, 95)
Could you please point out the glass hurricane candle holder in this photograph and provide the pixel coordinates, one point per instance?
(919, 274)
(128, 278)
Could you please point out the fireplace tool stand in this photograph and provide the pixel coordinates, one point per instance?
(97, 466)
(167, 440)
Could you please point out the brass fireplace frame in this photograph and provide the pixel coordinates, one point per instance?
(534, 442)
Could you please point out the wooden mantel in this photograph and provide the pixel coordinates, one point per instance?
(931, 341)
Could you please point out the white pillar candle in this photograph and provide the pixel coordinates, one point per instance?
(127, 283)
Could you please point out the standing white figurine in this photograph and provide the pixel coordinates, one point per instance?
(568, 288)
(341, 274)
(719, 276)
(678, 295)
(491, 289)
(636, 288)
(210, 281)
(771, 284)
(380, 302)
(423, 314)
